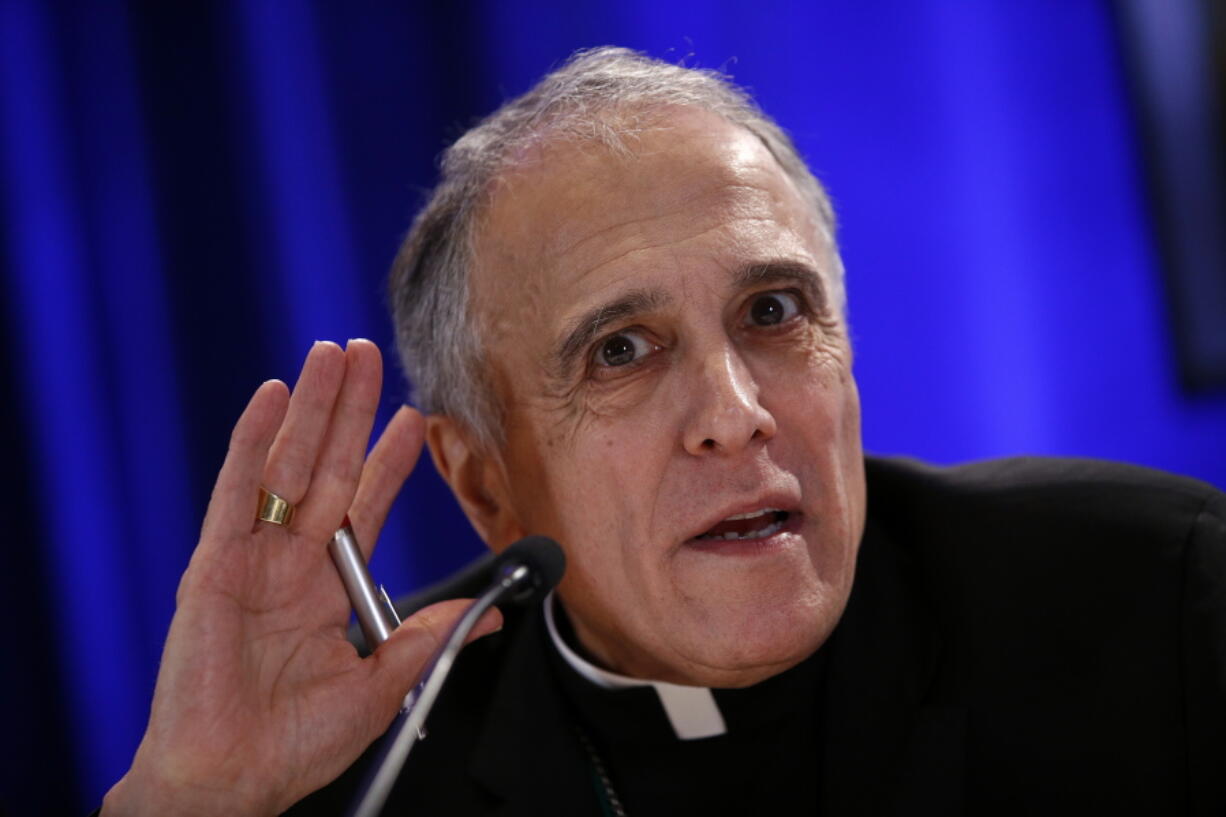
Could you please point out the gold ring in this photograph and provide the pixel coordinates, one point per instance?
(274, 509)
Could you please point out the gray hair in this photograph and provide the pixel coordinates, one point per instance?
(439, 341)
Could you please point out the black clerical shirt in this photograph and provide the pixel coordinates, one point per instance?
(766, 762)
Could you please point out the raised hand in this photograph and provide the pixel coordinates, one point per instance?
(260, 699)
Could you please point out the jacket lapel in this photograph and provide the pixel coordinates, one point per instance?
(885, 750)
(528, 756)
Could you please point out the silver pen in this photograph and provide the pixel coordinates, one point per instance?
(375, 613)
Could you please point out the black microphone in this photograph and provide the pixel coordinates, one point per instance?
(544, 562)
(525, 572)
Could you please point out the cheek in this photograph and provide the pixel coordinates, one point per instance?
(844, 469)
(573, 506)
(609, 477)
(602, 417)
(813, 389)
(609, 492)
(823, 414)
(835, 389)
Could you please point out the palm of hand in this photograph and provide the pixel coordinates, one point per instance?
(260, 699)
(265, 659)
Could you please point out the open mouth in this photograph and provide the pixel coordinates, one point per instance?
(755, 525)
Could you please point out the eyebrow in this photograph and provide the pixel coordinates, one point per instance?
(774, 272)
(588, 326)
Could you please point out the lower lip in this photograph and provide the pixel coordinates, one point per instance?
(750, 547)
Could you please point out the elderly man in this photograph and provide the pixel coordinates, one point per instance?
(623, 311)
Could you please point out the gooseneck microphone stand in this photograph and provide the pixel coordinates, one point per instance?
(526, 571)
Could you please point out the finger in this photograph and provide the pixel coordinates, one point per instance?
(232, 507)
(339, 465)
(397, 663)
(294, 451)
(389, 465)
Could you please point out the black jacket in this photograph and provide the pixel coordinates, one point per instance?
(1024, 636)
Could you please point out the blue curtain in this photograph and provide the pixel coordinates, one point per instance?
(192, 193)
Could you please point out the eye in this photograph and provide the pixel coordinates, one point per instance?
(623, 348)
(771, 308)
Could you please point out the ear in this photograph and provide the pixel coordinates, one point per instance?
(477, 480)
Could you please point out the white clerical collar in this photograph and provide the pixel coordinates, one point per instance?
(691, 710)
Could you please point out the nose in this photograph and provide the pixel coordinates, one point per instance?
(726, 413)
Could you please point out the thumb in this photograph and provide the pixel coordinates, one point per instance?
(397, 664)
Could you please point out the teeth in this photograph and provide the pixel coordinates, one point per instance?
(761, 533)
(754, 513)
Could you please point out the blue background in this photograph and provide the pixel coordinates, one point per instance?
(191, 194)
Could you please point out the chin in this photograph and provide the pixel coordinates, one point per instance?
(742, 645)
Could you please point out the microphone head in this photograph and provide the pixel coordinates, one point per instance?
(545, 562)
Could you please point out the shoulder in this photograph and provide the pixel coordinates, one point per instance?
(1045, 501)
(980, 534)
(1030, 562)
(1080, 606)
(1038, 478)
(1056, 568)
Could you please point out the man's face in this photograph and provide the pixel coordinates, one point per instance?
(681, 414)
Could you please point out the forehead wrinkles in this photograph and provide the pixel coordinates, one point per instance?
(564, 195)
(686, 220)
(643, 194)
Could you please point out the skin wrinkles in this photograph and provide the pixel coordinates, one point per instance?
(579, 400)
(593, 323)
(623, 468)
(632, 243)
(560, 249)
(606, 398)
(781, 271)
(624, 308)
